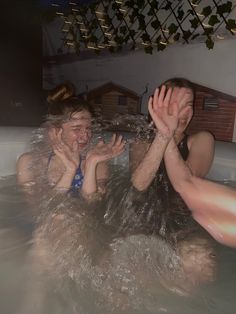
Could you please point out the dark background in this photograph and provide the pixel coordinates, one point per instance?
(22, 102)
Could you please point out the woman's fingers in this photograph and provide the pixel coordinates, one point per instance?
(161, 96)
(167, 98)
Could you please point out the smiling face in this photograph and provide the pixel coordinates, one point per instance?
(184, 97)
(78, 128)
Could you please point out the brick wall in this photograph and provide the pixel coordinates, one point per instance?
(219, 121)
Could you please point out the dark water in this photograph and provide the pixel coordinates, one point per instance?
(24, 290)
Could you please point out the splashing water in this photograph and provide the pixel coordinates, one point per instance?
(117, 255)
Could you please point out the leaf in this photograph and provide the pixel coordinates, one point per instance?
(194, 23)
(129, 4)
(213, 20)
(139, 3)
(231, 24)
(208, 30)
(186, 35)
(176, 37)
(131, 18)
(190, 12)
(161, 46)
(224, 8)
(156, 24)
(115, 6)
(209, 43)
(145, 37)
(119, 16)
(119, 40)
(180, 13)
(154, 4)
(172, 28)
(123, 29)
(206, 11)
(132, 33)
(148, 49)
(141, 20)
(151, 12)
(195, 36)
(93, 39)
(167, 6)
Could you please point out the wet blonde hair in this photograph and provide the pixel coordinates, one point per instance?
(63, 104)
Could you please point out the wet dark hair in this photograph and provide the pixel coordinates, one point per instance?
(176, 82)
(179, 82)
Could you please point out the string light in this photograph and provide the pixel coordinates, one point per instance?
(92, 47)
(165, 30)
(206, 25)
(99, 12)
(69, 43)
(163, 42)
(200, 15)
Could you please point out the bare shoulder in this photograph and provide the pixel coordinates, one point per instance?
(23, 168)
(201, 138)
(201, 152)
(24, 159)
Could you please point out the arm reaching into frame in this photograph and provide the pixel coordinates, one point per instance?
(213, 205)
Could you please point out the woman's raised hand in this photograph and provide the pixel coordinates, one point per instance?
(163, 113)
(68, 155)
(105, 151)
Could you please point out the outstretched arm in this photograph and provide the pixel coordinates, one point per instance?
(213, 205)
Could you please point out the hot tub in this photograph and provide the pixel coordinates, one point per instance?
(16, 140)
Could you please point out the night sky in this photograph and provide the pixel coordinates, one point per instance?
(46, 3)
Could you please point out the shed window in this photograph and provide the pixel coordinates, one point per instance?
(122, 101)
(210, 103)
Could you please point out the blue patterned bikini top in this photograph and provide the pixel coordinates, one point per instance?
(78, 178)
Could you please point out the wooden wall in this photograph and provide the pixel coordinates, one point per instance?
(219, 121)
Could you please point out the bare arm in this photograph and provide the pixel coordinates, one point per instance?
(201, 153)
(144, 174)
(213, 205)
(96, 169)
(158, 107)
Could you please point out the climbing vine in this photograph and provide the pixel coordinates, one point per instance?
(151, 24)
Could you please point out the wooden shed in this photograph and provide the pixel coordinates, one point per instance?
(110, 99)
(213, 111)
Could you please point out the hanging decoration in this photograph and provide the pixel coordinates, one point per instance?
(150, 24)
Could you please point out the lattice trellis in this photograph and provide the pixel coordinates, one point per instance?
(150, 24)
